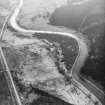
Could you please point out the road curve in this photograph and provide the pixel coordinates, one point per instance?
(79, 62)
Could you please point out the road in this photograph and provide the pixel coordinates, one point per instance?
(79, 62)
(14, 93)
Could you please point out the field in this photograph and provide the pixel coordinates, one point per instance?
(87, 19)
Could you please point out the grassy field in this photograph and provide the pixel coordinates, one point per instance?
(89, 19)
(14, 59)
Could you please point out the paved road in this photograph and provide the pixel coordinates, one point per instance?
(79, 62)
(14, 93)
